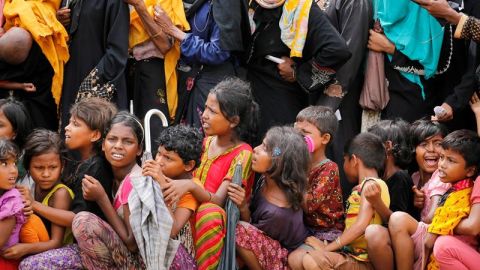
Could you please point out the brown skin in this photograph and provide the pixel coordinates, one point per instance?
(166, 24)
(63, 16)
(440, 9)
(60, 200)
(27, 87)
(475, 106)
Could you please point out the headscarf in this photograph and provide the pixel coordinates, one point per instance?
(293, 22)
(415, 33)
(174, 10)
(39, 18)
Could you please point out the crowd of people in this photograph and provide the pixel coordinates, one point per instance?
(352, 125)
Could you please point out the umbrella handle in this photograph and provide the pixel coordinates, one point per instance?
(148, 115)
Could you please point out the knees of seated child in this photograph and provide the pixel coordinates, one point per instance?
(379, 247)
(309, 263)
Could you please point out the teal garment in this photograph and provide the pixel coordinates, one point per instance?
(415, 33)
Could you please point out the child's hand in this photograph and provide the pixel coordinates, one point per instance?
(27, 199)
(418, 197)
(173, 190)
(428, 243)
(92, 189)
(29, 87)
(372, 192)
(475, 104)
(153, 169)
(15, 252)
(315, 243)
(237, 195)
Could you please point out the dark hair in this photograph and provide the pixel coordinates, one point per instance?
(369, 148)
(321, 117)
(96, 113)
(467, 144)
(423, 129)
(235, 99)
(8, 149)
(184, 140)
(19, 118)
(395, 131)
(290, 162)
(129, 120)
(39, 142)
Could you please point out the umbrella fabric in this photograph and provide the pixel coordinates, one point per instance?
(151, 222)
(228, 260)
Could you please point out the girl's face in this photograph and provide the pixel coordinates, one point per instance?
(427, 154)
(45, 170)
(78, 134)
(213, 120)
(6, 128)
(170, 162)
(8, 173)
(121, 146)
(452, 167)
(261, 159)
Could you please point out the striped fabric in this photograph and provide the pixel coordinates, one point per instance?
(209, 235)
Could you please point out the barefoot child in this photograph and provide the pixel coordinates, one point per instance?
(323, 202)
(364, 157)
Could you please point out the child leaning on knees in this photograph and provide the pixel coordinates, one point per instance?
(364, 157)
(395, 137)
(179, 152)
(458, 165)
(11, 206)
(323, 202)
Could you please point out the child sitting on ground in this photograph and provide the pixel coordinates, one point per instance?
(323, 202)
(43, 161)
(11, 213)
(458, 165)
(364, 157)
(179, 152)
(407, 232)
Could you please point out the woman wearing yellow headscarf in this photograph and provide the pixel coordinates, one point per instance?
(155, 58)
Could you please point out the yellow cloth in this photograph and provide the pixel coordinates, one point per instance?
(358, 248)
(176, 12)
(39, 18)
(68, 235)
(457, 206)
(294, 25)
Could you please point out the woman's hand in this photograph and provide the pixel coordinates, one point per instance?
(63, 16)
(286, 69)
(440, 9)
(92, 189)
(379, 43)
(15, 252)
(162, 19)
(445, 115)
(475, 104)
(173, 190)
(237, 195)
(152, 168)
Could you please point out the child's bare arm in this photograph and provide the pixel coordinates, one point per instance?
(61, 200)
(429, 242)
(28, 87)
(475, 106)
(373, 192)
(471, 224)
(357, 229)
(6, 227)
(180, 218)
(434, 204)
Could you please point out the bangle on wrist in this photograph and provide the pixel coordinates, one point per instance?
(209, 196)
(156, 34)
(339, 242)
